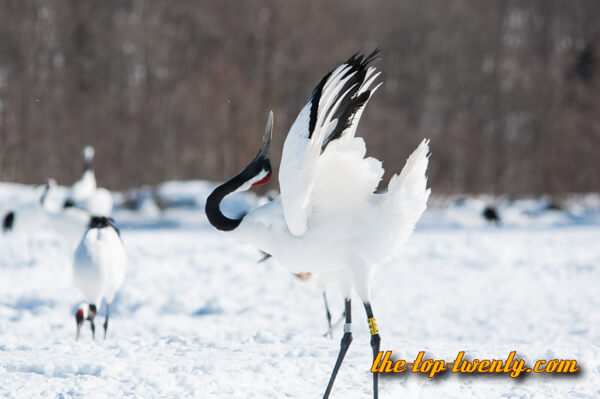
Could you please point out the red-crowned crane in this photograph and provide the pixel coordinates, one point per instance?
(328, 218)
(99, 269)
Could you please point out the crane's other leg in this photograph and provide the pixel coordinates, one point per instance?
(93, 329)
(328, 315)
(106, 319)
(375, 342)
(337, 323)
(344, 345)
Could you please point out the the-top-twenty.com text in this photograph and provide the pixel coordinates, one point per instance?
(511, 366)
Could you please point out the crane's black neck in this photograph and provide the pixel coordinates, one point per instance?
(213, 206)
(213, 202)
(100, 222)
(44, 194)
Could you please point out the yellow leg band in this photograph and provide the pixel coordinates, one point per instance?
(373, 326)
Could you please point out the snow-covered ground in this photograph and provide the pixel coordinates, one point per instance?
(198, 317)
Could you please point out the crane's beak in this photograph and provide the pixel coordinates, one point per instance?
(265, 149)
(259, 170)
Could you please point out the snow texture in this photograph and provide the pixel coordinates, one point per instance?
(198, 317)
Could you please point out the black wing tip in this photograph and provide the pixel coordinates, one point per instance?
(373, 56)
(359, 60)
(358, 63)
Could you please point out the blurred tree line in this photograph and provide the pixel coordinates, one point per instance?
(507, 91)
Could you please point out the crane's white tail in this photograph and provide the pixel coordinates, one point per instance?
(408, 191)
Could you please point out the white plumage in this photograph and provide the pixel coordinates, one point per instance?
(99, 203)
(304, 169)
(85, 187)
(339, 219)
(100, 263)
(349, 227)
(85, 193)
(328, 218)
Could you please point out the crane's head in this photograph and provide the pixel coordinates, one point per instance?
(88, 156)
(88, 153)
(84, 312)
(50, 182)
(257, 172)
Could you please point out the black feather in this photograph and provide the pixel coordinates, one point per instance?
(314, 107)
(345, 120)
(351, 103)
(100, 222)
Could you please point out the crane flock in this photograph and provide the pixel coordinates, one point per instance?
(329, 223)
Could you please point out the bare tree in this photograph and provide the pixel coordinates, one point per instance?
(508, 91)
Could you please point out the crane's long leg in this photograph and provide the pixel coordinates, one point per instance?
(337, 323)
(344, 345)
(328, 315)
(93, 329)
(375, 341)
(106, 319)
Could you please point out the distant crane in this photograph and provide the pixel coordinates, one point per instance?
(27, 217)
(85, 187)
(99, 269)
(328, 217)
(85, 194)
(69, 223)
(490, 213)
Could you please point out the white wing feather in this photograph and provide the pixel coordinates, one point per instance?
(344, 179)
(314, 181)
(407, 194)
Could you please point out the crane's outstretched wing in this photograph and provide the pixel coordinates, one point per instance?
(323, 169)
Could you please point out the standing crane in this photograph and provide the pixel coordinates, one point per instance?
(98, 269)
(328, 217)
